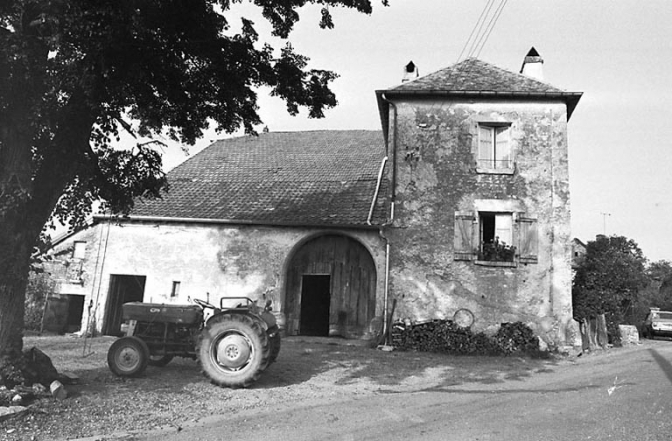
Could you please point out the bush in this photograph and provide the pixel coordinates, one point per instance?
(38, 289)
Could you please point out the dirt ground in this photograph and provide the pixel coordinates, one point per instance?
(307, 369)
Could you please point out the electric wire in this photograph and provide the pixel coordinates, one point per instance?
(481, 31)
(481, 17)
(498, 13)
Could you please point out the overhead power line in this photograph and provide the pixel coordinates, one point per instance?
(481, 31)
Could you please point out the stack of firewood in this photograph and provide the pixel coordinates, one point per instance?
(446, 337)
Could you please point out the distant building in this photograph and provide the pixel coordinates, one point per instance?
(461, 202)
(578, 251)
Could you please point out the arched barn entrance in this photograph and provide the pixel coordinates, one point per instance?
(331, 288)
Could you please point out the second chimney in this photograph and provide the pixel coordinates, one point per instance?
(410, 72)
(533, 65)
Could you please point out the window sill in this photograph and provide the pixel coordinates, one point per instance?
(496, 263)
(495, 171)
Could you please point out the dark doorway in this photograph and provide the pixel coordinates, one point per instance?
(123, 289)
(63, 313)
(315, 299)
(75, 311)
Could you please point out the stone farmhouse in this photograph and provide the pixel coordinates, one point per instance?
(460, 204)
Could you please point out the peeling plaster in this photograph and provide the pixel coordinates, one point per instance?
(443, 180)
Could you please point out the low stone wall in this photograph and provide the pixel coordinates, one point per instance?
(629, 334)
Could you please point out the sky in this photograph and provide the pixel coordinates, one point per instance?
(618, 53)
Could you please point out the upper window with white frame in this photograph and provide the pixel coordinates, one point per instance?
(494, 148)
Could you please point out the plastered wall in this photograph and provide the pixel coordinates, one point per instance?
(209, 261)
(436, 175)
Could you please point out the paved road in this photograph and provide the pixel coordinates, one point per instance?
(623, 395)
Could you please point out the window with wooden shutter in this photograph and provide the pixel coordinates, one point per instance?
(464, 236)
(495, 237)
(528, 238)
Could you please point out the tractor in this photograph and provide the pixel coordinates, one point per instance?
(233, 345)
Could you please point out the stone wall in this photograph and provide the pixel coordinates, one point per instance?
(436, 177)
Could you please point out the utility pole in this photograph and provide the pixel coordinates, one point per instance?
(604, 222)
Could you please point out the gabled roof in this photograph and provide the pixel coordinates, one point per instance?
(319, 178)
(473, 78)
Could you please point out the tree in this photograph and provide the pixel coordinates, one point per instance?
(658, 292)
(608, 280)
(73, 73)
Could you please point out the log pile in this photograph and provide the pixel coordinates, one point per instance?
(439, 336)
(446, 337)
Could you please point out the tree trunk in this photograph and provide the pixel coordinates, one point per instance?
(602, 334)
(17, 236)
(594, 333)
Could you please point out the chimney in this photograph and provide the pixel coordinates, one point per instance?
(533, 65)
(410, 72)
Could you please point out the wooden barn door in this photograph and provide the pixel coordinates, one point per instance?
(348, 305)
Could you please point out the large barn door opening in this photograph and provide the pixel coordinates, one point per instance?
(330, 276)
(123, 289)
(315, 298)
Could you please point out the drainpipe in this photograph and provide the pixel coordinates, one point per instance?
(392, 201)
(387, 277)
(375, 195)
(394, 147)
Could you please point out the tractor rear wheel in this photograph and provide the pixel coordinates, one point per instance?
(128, 357)
(233, 350)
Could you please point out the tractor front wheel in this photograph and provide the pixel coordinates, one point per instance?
(128, 357)
(233, 350)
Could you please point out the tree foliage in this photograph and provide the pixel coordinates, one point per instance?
(75, 73)
(658, 291)
(608, 280)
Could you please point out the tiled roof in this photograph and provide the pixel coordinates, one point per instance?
(476, 76)
(284, 178)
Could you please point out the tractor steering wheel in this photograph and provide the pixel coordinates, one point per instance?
(203, 304)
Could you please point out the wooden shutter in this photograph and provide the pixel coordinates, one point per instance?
(464, 236)
(528, 239)
(485, 147)
(503, 148)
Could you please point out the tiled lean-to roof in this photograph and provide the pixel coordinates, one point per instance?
(476, 79)
(286, 178)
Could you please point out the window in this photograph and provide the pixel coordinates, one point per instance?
(80, 250)
(494, 148)
(176, 289)
(495, 238)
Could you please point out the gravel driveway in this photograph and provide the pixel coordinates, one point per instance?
(307, 369)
